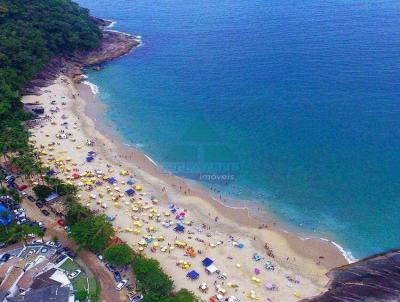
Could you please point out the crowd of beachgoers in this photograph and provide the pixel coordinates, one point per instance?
(200, 245)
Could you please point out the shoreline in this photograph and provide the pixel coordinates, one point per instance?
(310, 258)
(326, 245)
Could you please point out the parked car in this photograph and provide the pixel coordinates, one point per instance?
(22, 221)
(22, 187)
(5, 257)
(67, 229)
(61, 222)
(10, 178)
(71, 254)
(37, 242)
(52, 243)
(39, 205)
(44, 250)
(137, 298)
(99, 256)
(20, 216)
(74, 274)
(117, 276)
(60, 258)
(18, 211)
(121, 284)
(110, 267)
(31, 198)
(45, 212)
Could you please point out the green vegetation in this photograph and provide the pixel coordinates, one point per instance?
(119, 254)
(80, 284)
(81, 295)
(94, 290)
(92, 233)
(151, 277)
(42, 191)
(155, 284)
(183, 295)
(18, 232)
(31, 34)
(76, 211)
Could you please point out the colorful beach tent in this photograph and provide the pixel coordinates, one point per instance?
(130, 182)
(179, 229)
(89, 159)
(207, 262)
(211, 269)
(51, 173)
(130, 192)
(193, 275)
(112, 180)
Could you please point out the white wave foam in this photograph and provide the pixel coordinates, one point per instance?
(151, 160)
(117, 31)
(94, 88)
(112, 24)
(346, 254)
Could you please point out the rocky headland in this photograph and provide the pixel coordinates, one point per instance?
(374, 279)
(112, 45)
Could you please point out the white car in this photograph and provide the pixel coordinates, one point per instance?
(51, 243)
(21, 215)
(121, 284)
(74, 274)
(37, 241)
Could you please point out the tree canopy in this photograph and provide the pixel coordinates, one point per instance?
(92, 233)
(118, 254)
(151, 277)
(32, 32)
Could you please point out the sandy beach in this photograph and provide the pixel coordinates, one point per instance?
(146, 220)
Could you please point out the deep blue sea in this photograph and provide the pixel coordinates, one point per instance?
(302, 96)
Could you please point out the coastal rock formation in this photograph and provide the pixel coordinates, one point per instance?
(113, 45)
(373, 279)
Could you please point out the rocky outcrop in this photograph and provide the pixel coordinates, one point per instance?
(113, 45)
(373, 279)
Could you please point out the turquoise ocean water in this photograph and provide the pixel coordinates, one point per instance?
(304, 96)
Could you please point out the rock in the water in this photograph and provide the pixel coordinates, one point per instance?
(373, 279)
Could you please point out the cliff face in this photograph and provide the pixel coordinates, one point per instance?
(370, 280)
(113, 44)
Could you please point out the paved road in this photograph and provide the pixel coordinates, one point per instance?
(103, 276)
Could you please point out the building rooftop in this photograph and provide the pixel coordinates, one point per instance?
(6, 266)
(45, 280)
(51, 293)
(28, 277)
(11, 278)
